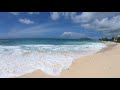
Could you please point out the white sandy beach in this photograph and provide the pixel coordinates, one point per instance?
(104, 64)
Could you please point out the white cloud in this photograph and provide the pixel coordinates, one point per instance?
(15, 13)
(26, 21)
(57, 15)
(31, 13)
(109, 26)
(68, 15)
(105, 24)
(83, 18)
(72, 35)
(87, 17)
(54, 15)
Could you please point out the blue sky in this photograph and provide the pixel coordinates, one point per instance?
(59, 24)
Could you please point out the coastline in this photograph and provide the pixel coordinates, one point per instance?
(109, 47)
(102, 64)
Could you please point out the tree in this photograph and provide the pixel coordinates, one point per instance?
(118, 39)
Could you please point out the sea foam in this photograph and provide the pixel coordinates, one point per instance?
(51, 59)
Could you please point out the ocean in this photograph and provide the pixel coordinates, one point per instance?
(21, 56)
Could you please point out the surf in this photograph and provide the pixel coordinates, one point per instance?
(18, 57)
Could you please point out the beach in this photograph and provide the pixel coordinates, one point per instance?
(103, 64)
(60, 45)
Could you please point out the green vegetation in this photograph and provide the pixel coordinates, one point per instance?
(114, 39)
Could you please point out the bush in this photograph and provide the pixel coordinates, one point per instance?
(112, 39)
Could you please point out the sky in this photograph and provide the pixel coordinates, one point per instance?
(59, 24)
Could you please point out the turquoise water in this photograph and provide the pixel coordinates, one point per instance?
(38, 41)
(20, 56)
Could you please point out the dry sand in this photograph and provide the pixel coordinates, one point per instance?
(104, 64)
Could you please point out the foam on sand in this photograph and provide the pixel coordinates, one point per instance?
(52, 59)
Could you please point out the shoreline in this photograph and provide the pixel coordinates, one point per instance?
(96, 65)
(109, 47)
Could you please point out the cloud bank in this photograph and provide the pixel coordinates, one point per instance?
(106, 22)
